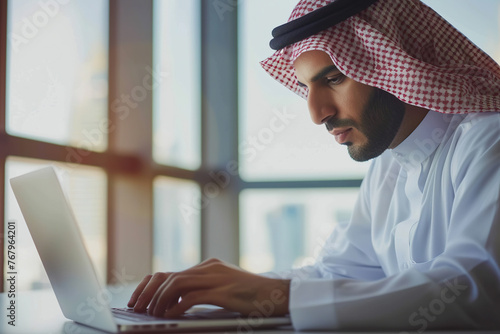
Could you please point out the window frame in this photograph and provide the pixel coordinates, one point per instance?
(128, 160)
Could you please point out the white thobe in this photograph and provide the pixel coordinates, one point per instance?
(422, 249)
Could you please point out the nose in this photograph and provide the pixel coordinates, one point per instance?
(321, 105)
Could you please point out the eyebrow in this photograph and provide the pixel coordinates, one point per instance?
(320, 74)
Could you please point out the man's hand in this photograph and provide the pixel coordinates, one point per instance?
(211, 282)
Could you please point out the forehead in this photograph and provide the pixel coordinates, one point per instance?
(309, 63)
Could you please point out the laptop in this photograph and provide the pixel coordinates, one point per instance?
(58, 240)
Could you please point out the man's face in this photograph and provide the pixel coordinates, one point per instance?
(364, 118)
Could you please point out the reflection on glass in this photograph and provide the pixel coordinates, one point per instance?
(176, 230)
(57, 75)
(281, 229)
(176, 101)
(86, 189)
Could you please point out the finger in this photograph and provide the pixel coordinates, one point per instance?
(137, 292)
(166, 295)
(158, 295)
(189, 300)
(174, 288)
(147, 294)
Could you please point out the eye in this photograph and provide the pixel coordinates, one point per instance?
(335, 80)
(300, 84)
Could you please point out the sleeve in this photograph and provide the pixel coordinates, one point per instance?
(458, 289)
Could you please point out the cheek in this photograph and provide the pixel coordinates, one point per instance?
(357, 97)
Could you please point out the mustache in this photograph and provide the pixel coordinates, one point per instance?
(333, 123)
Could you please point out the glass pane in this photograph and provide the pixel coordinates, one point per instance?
(176, 230)
(176, 100)
(57, 74)
(86, 189)
(478, 20)
(277, 138)
(281, 229)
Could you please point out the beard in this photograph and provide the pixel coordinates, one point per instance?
(380, 121)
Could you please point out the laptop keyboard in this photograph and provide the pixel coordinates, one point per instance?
(129, 314)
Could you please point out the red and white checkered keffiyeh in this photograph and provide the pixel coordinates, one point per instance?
(404, 48)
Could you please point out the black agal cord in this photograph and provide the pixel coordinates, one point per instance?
(316, 21)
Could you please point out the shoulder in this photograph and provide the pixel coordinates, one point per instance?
(483, 121)
(477, 132)
(475, 141)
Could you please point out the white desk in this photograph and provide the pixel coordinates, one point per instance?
(37, 312)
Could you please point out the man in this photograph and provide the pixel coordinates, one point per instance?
(395, 83)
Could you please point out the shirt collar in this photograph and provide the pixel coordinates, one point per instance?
(423, 141)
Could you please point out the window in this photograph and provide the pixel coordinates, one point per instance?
(176, 231)
(176, 133)
(56, 105)
(84, 98)
(176, 103)
(57, 76)
(281, 229)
